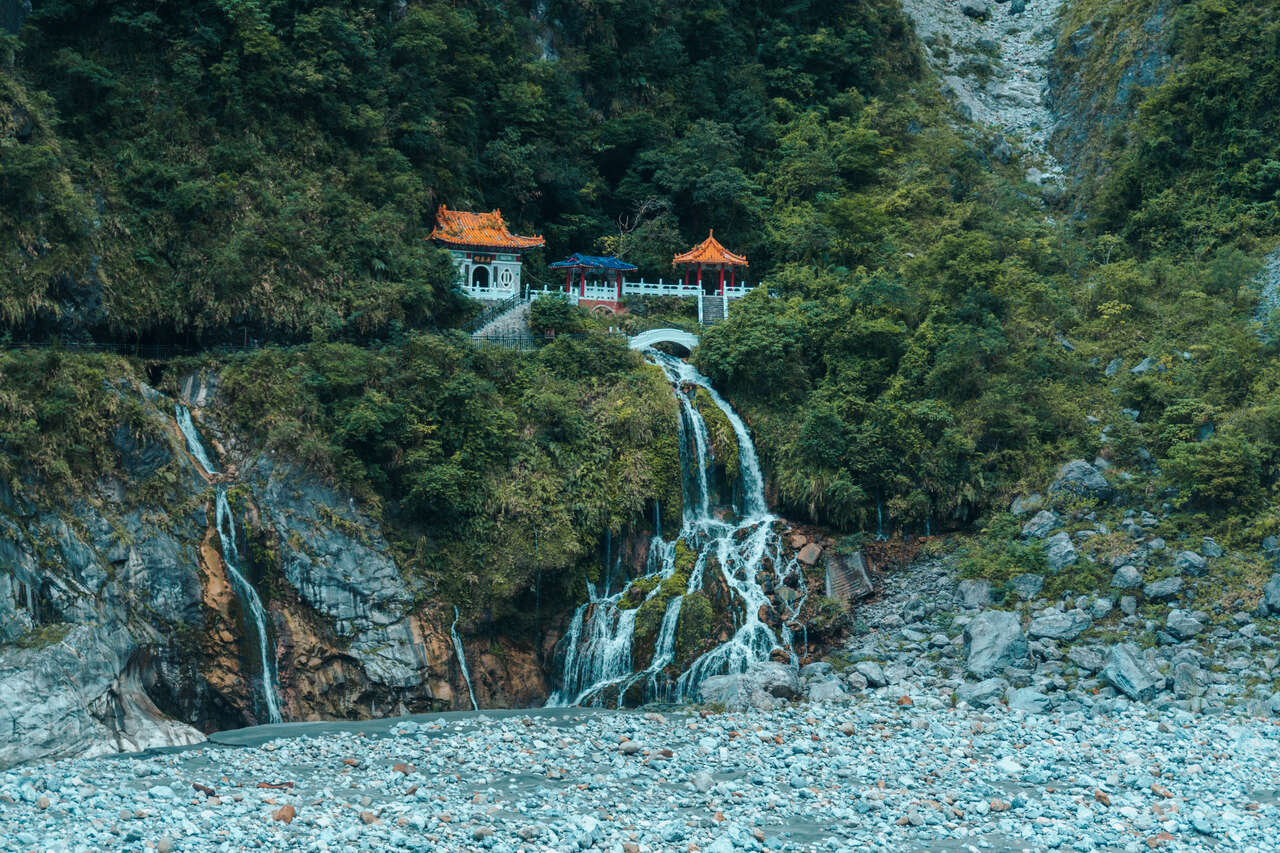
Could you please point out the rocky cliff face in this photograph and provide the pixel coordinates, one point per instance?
(118, 619)
(1105, 57)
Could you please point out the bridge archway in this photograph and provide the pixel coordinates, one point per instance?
(679, 337)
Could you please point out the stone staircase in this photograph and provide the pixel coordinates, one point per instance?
(711, 309)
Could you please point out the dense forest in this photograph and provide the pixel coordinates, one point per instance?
(939, 329)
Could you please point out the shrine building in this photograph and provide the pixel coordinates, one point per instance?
(486, 255)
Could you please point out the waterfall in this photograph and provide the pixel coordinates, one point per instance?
(598, 647)
(462, 658)
(183, 416)
(252, 605)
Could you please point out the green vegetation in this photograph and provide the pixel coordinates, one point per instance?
(495, 469)
(936, 338)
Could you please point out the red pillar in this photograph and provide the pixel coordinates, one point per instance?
(582, 284)
(722, 279)
(699, 276)
(567, 281)
(619, 286)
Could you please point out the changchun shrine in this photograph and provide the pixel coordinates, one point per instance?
(486, 255)
(488, 259)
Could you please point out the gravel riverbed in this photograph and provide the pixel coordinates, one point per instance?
(886, 771)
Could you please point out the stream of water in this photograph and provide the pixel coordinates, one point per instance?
(462, 658)
(250, 603)
(742, 545)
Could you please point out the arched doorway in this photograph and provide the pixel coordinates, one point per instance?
(480, 277)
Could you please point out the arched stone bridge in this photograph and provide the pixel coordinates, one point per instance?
(679, 337)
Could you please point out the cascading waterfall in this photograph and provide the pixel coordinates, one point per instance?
(188, 429)
(598, 663)
(250, 603)
(462, 657)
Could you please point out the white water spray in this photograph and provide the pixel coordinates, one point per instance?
(462, 658)
(598, 662)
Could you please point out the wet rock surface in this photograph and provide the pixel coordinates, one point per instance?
(877, 773)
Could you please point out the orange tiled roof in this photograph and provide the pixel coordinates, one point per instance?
(480, 230)
(709, 251)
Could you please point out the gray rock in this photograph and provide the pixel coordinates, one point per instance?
(982, 694)
(1188, 680)
(818, 669)
(979, 10)
(1030, 700)
(993, 641)
(1060, 626)
(1271, 594)
(702, 781)
(1086, 658)
(1001, 150)
(1027, 586)
(1147, 365)
(1113, 367)
(1190, 562)
(1182, 624)
(973, 593)
(1078, 477)
(1101, 608)
(1040, 525)
(1059, 552)
(1024, 504)
(1127, 577)
(762, 686)
(857, 681)
(1128, 605)
(1162, 589)
(1126, 672)
(84, 694)
(827, 691)
(871, 671)
(1211, 549)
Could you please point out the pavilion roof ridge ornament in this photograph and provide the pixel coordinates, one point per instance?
(710, 251)
(464, 229)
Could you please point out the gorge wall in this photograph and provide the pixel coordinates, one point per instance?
(117, 617)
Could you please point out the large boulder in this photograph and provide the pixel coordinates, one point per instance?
(1271, 594)
(1040, 525)
(981, 694)
(1126, 672)
(1078, 477)
(993, 641)
(1127, 577)
(871, 671)
(1060, 626)
(1182, 624)
(762, 686)
(1030, 700)
(1059, 552)
(973, 593)
(1162, 589)
(1190, 562)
